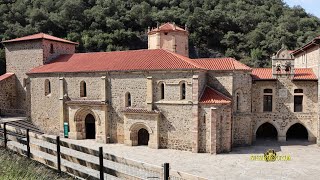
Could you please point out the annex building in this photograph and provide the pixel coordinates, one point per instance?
(158, 96)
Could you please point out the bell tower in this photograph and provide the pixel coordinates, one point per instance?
(170, 37)
(283, 64)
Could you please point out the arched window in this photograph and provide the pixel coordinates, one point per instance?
(128, 100)
(47, 87)
(162, 91)
(51, 49)
(183, 91)
(238, 101)
(83, 89)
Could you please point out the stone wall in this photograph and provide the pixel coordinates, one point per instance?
(23, 56)
(309, 59)
(58, 49)
(175, 121)
(8, 95)
(283, 115)
(215, 130)
(221, 81)
(242, 84)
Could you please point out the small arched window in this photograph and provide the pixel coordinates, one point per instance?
(51, 49)
(47, 87)
(183, 91)
(238, 101)
(162, 91)
(128, 99)
(83, 89)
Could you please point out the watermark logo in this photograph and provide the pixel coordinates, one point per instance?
(270, 156)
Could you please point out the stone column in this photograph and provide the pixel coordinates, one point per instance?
(149, 93)
(103, 128)
(61, 105)
(195, 114)
(154, 137)
(213, 131)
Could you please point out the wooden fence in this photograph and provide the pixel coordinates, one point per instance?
(73, 159)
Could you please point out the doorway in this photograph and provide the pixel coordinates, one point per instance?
(90, 127)
(143, 137)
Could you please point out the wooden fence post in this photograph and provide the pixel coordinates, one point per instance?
(58, 154)
(101, 163)
(28, 144)
(166, 173)
(5, 134)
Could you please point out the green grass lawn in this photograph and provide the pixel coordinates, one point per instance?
(14, 166)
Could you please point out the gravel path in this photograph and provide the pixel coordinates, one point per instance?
(304, 163)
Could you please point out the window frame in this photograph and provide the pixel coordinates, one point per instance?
(183, 91)
(128, 99)
(267, 100)
(47, 87)
(83, 89)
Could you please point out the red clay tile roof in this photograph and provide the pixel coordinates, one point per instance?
(167, 27)
(211, 96)
(139, 110)
(222, 64)
(5, 76)
(40, 36)
(300, 74)
(157, 59)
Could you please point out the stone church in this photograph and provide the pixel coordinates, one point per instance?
(158, 96)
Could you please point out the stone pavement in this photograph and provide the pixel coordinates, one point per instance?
(304, 163)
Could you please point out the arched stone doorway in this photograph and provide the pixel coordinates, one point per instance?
(267, 132)
(143, 137)
(297, 132)
(90, 127)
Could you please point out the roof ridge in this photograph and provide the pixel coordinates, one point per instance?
(186, 59)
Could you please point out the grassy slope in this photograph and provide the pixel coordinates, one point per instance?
(13, 166)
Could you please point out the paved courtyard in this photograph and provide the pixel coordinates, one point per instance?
(304, 163)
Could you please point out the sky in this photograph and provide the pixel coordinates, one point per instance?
(311, 6)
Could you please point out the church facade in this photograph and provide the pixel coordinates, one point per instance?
(158, 96)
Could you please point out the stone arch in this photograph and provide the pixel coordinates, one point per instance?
(83, 112)
(134, 130)
(161, 90)
(294, 127)
(277, 132)
(79, 118)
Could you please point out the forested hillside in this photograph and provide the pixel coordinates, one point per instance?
(249, 30)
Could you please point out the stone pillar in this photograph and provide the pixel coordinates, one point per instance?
(213, 131)
(282, 138)
(103, 89)
(154, 137)
(61, 105)
(103, 128)
(195, 114)
(149, 93)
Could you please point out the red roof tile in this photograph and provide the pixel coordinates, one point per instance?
(222, 64)
(299, 74)
(306, 46)
(211, 96)
(167, 27)
(157, 59)
(5, 76)
(39, 36)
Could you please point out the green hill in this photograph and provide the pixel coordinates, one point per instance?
(249, 30)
